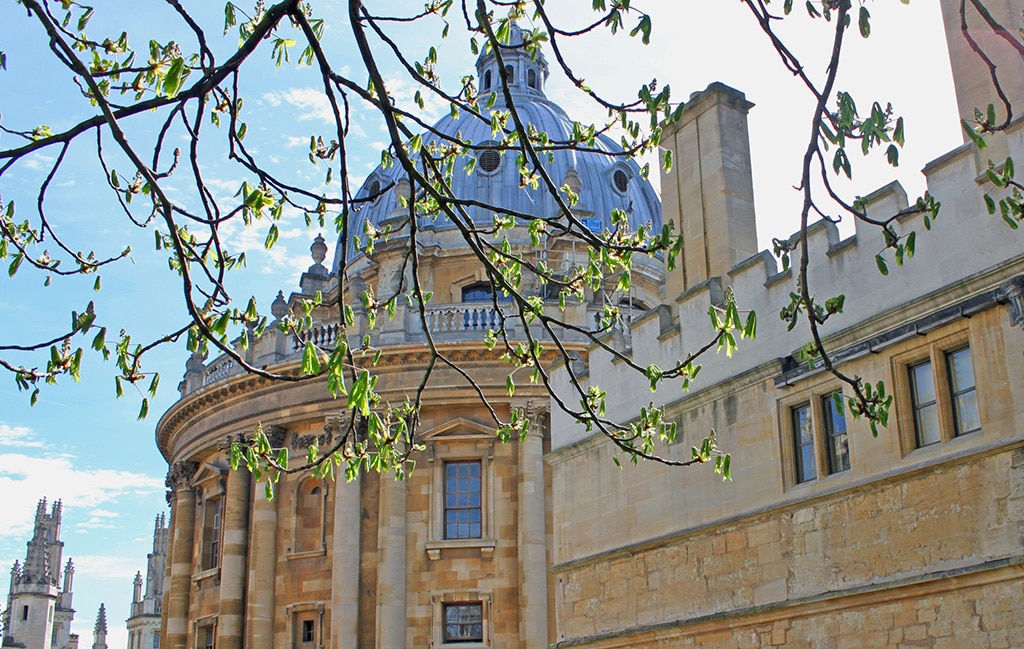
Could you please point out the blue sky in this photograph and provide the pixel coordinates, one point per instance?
(82, 445)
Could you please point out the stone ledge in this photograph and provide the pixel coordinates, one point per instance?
(486, 547)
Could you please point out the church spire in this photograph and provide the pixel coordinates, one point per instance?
(99, 633)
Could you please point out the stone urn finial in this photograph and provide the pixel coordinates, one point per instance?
(572, 181)
(280, 307)
(318, 250)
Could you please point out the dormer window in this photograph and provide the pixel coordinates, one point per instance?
(373, 190)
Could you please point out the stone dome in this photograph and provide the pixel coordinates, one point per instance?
(607, 179)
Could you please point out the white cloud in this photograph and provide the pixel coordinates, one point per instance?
(99, 519)
(106, 566)
(19, 436)
(311, 104)
(77, 487)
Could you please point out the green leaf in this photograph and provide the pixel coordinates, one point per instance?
(973, 135)
(175, 77)
(310, 359)
(144, 410)
(271, 237)
(84, 20)
(864, 22)
(15, 263)
(882, 267)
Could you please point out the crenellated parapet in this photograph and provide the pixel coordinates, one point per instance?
(968, 261)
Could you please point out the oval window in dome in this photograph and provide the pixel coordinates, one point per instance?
(621, 180)
(373, 190)
(489, 160)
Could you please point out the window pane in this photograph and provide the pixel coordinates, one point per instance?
(967, 418)
(927, 422)
(961, 372)
(923, 383)
(922, 395)
(964, 393)
(803, 438)
(835, 430)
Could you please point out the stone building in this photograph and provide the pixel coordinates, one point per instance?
(39, 603)
(826, 537)
(147, 605)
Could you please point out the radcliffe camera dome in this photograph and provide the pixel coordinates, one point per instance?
(606, 181)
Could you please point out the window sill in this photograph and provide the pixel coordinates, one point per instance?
(486, 547)
(306, 554)
(209, 573)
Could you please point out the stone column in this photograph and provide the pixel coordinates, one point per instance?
(259, 606)
(533, 588)
(178, 587)
(391, 619)
(345, 564)
(234, 543)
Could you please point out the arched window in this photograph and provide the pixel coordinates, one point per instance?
(309, 516)
(531, 78)
(482, 292)
(510, 73)
(487, 80)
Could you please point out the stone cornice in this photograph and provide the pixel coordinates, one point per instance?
(394, 359)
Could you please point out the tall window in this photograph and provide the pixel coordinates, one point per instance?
(462, 500)
(531, 78)
(926, 412)
(835, 434)
(463, 622)
(211, 533)
(156, 640)
(966, 418)
(309, 516)
(803, 444)
(208, 637)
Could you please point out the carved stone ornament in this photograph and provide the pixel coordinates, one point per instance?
(1013, 290)
(276, 435)
(179, 476)
(300, 442)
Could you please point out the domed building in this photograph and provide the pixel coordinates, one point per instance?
(828, 535)
(456, 553)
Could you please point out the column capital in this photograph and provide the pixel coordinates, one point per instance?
(180, 474)
(535, 411)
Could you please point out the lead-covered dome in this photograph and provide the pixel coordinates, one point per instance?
(607, 179)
